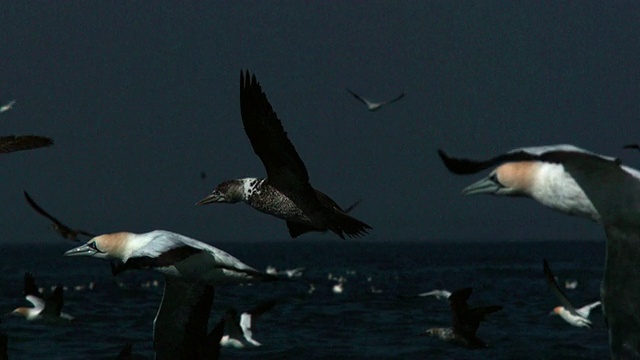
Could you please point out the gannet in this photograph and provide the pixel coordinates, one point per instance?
(576, 317)
(62, 229)
(439, 294)
(8, 106)
(570, 284)
(48, 309)
(373, 106)
(171, 254)
(465, 321)
(240, 333)
(13, 143)
(582, 183)
(286, 192)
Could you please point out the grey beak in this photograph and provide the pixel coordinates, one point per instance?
(211, 198)
(83, 250)
(484, 186)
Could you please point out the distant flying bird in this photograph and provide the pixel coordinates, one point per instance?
(240, 333)
(575, 317)
(12, 143)
(373, 106)
(465, 321)
(48, 309)
(438, 294)
(286, 192)
(585, 184)
(62, 229)
(8, 106)
(570, 284)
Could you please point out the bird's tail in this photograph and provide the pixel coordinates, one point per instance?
(342, 223)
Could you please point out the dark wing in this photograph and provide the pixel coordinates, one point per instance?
(41, 211)
(180, 327)
(394, 100)
(233, 325)
(553, 285)
(632, 146)
(126, 353)
(17, 143)
(262, 308)
(362, 100)
(475, 316)
(458, 304)
(615, 193)
(212, 343)
(285, 169)
(30, 287)
(467, 166)
(55, 302)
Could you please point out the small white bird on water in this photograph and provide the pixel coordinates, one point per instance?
(48, 309)
(438, 294)
(576, 317)
(374, 106)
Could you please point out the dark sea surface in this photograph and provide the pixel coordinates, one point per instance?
(357, 324)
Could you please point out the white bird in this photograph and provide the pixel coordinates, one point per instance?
(8, 106)
(576, 317)
(171, 254)
(240, 334)
(570, 284)
(439, 294)
(192, 269)
(581, 183)
(373, 106)
(48, 309)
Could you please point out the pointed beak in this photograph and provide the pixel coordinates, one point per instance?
(484, 186)
(215, 196)
(83, 250)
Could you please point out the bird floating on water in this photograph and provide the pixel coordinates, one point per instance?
(286, 192)
(576, 317)
(374, 106)
(585, 184)
(465, 321)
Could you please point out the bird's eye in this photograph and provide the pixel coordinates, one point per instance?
(93, 245)
(494, 177)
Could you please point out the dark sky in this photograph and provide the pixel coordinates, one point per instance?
(140, 98)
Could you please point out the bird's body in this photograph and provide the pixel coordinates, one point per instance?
(371, 105)
(286, 192)
(44, 309)
(465, 321)
(592, 186)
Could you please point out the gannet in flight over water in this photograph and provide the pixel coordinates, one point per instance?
(374, 106)
(576, 317)
(465, 321)
(286, 192)
(8, 106)
(192, 269)
(48, 309)
(438, 294)
(62, 229)
(240, 333)
(581, 183)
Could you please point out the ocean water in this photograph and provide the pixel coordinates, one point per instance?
(357, 324)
